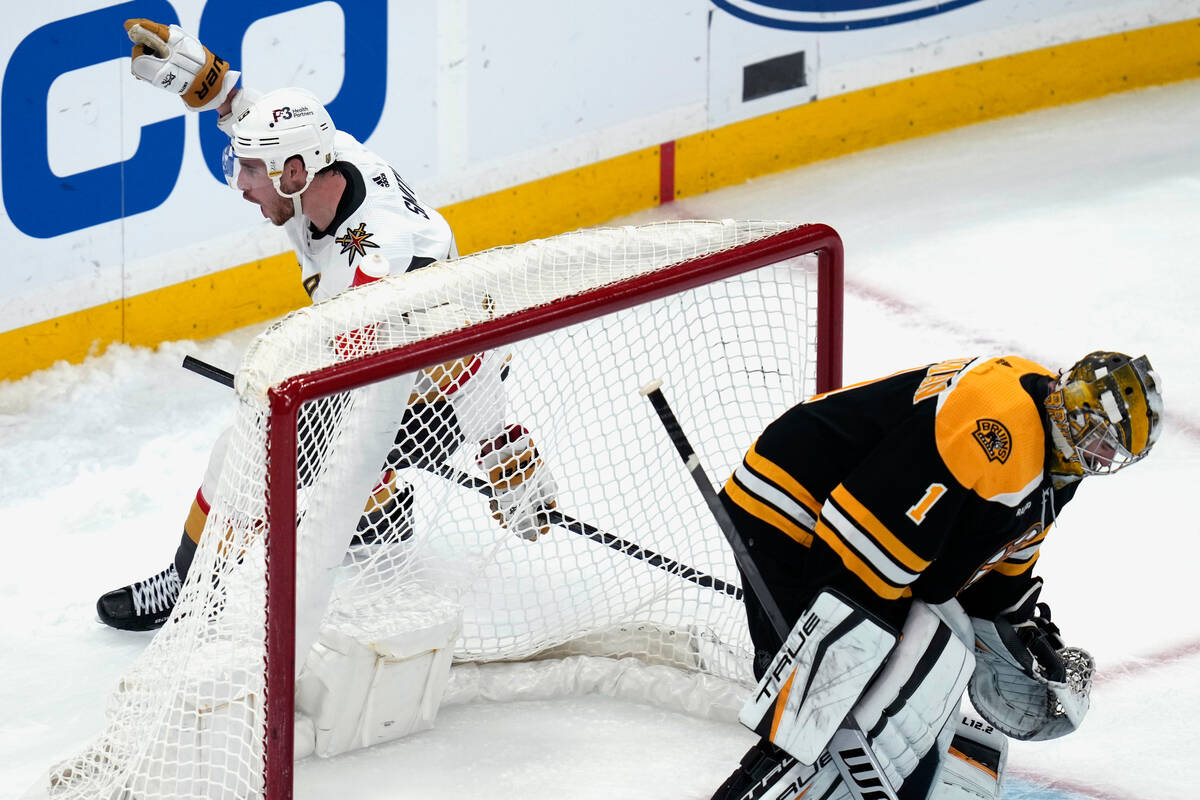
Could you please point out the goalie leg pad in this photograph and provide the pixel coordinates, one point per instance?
(357, 694)
(907, 707)
(973, 766)
(768, 773)
(829, 658)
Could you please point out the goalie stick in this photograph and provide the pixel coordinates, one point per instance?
(555, 517)
(856, 762)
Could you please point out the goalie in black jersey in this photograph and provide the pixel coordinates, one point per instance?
(917, 505)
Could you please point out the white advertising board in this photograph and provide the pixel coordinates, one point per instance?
(110, 189)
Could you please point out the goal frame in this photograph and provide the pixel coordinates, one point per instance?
(286, 398)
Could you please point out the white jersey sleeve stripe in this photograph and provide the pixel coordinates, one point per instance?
(872, 554)
(768, 493)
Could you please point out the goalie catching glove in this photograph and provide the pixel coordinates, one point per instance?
(523, 490)
(1026, 682)
(174, 60)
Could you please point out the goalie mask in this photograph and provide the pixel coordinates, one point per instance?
(277, 126)
(1105, 413)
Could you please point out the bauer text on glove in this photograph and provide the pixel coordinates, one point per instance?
(174, 60)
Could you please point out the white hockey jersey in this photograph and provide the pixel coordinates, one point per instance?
(378, 213)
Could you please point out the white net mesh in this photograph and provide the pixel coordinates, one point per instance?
(603, 545)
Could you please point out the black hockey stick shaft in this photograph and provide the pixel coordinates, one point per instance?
(691, 461)
(623, 546)
(555, 517)
(209, 371)
(851, 776)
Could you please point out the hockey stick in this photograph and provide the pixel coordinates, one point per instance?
(587, 530)
(554, 516)
(864, 777)
(209, 371)
(653, 391)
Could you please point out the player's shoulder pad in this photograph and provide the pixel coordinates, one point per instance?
(990, 432)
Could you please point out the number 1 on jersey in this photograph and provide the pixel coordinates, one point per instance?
(921, 508)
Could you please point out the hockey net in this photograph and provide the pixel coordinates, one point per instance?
(533, 352)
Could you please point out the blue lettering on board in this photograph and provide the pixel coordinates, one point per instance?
(835, 15)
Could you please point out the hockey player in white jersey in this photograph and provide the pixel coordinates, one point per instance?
(351, 219)
(337, 201)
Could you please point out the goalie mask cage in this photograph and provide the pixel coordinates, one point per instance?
(357, 496)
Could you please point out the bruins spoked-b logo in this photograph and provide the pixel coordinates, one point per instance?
(356, 241)
(994, 438)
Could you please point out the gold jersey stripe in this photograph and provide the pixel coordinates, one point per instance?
(760, 510)
(777, 475)
(762, 489)
(859, 567)
(861, 516)
(1011, 568)
(866, 547)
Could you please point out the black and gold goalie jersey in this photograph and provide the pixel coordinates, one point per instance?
(930, 483)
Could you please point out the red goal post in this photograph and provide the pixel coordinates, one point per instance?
(285, 400)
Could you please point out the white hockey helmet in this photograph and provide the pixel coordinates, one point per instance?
(279, 125)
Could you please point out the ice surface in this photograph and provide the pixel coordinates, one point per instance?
(1048, 235)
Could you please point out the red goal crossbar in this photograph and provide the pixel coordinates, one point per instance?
(286, 398)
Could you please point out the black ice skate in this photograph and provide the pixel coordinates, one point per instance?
(141, 606)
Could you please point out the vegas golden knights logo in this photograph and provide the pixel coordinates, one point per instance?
(356, 241)
(994, 438)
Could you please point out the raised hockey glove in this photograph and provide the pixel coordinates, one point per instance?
(1026, 681)
(523, 490)
(175, 61)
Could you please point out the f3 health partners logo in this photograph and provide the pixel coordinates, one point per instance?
(835, 15)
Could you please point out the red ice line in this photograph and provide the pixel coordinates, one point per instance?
(1175, 423)
(1137, 666)
(1059, 784)
(1133, 668)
